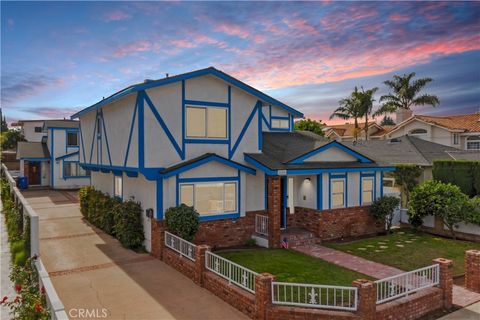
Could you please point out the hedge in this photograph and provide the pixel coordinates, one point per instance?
(122, 220)
(462, 173)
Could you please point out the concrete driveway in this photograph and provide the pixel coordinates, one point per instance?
(92, 272)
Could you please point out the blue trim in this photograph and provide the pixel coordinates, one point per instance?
(105, 168)
(93, 138)
(206, 141)
(345, 189)
(259, 129)
(141, 130)
(71, 177)
(184, 132)
(284, 202)
(131, 174)
(177, 190)
(207, 179)
(207, 103)
(35, 159)
(52, 171)
(360, 158)
(260, 166)
(71, 130)
(266, 122)
(292, 124)
(229, 99)
(266, 191)
(81, 139)
(244, 129)
(212, 157)
(131, 132)
(319, 191)
(280, 118)
(159, 193)
(381, 184)
(163, 125)
(106, 137)
(183, 77)
(367, 175)
(220, 216)
(67, 155)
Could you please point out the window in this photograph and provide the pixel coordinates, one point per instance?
(73, 169)
(204, 122)
(280, 123)
(455, 138)
(38, 129)
(72, 139)
(118, 186)
(338, 193)
(420, 132)
(210, 198)
(367, 190)
(473, 143)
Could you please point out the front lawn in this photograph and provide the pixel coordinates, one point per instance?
(291, 266)
(408, 250)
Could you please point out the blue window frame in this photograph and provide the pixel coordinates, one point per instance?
(206, 123)
(338, 191)
(73, 170)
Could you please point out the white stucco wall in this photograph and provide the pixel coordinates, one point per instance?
(255, 191)
(28, 131)
(333, 154)
(304, 191)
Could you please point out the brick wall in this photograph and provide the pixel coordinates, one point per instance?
(182, 264)
(288, 313)
(472, 270)
(336, 223)
(236, 297)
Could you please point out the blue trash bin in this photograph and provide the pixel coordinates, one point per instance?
(22, 182)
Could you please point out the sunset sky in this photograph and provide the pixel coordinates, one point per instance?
(59, 57)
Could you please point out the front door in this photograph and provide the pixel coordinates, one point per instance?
(34, 177)
(283, 218)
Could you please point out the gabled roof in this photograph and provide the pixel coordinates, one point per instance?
(32, 151)
(347, 129)
(198, 73)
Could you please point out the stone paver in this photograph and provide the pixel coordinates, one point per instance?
(471, 312)
(6, 286)
(461, 296)
(91, 270)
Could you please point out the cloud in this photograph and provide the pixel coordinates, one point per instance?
(116, 15)
(51, 112)
(232, 30)
(398, 17)
(133, 48)
(18, 87)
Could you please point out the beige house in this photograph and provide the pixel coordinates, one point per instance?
(346, 132)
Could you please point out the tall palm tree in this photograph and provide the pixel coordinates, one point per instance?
(366, 103)
(406, 94)
(350, 108)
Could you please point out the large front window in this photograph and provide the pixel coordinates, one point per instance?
(203, 122)
(473, 143)
(73, 169)
(367, 190)
(210, 198)
(338, 191)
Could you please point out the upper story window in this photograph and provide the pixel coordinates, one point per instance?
(280, 123)
(367, 190)
(72, 139)
(206, 122)
(337, 193)
(418, 132)
(473, 143)
(38, 129)
(210, 198)
(456, 138)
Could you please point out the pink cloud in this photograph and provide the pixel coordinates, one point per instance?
(132, 48)
(397, 17)
(116, 15)
(183, 43)
(232, 30)
(299, 24)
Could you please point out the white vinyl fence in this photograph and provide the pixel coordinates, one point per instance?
(261, 225)
(406, 283)
(185, 248)
(315, 296)
(234, 273)
(54, 303)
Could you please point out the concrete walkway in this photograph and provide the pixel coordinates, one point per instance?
(461, 296)
(92, 271)
(6, 286)
(471, 312)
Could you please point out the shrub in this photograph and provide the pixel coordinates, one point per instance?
(473, 214)
(182, 221)
(106, 218)
(460, 173)
(441, 200)
(406, 176)
(382, 209)
(20, 258)
(17, 246)
(84, 195)
(250, 242)
(128, 224)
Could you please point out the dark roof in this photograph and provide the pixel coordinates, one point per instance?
(61, 123)
(465, 155)
(281, 147)
(31, 150)
(202, 72)
(402, 150)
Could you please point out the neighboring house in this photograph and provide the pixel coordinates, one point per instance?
(458, 131)
(32, 130)
(211, 141)
(52, 159)
(345, 132)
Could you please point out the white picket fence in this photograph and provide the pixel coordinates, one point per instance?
(54, 303)
(234, 273)
(315, 296)
(261, 225)
(406, 283)
(185, 248)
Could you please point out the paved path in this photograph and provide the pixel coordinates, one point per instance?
(93, 271)
(461, 296)
(6, 286)
(471, 312)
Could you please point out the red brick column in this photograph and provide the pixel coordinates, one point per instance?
(446, 280)
(472, 270)
(158, 237)
(367, 299)
(200, 263)
(274, 211)
(263, 295)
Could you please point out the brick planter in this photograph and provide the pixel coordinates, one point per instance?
(472, 270)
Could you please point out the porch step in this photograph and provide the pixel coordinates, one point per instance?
(299, 237)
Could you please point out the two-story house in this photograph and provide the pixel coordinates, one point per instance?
(210, 141)
(49, 157)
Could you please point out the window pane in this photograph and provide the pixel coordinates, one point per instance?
(118, 186)
(217, 123)
(367, 197)
(367, 184)
(72, 139)
(209, 198)
(337, 186)
(67, 169)
(186, 194)
(38, 129)
(230, 197)
(196, 122)
(284, 124)
(278, 123)
(337, 200)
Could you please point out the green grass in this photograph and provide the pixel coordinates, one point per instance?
(291, 266)
(408, 250)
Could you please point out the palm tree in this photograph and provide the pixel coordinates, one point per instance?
(366, 103)
(350, 108)
(406, 94)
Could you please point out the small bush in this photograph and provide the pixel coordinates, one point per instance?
(84, 197)
(128, 224)
(382, 209)
(20, 258)
(17, 246)
(250, 242)
(182, 221)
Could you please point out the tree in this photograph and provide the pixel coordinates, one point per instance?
(439, 199)
(366, 105)
(387, 121)
(310, 125)
(10, 138)
(350, 108)
(4, 125)
(406, 94)
(406, 176)
(383, 209)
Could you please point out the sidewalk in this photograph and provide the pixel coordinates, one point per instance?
(6, 287)
(461, 296)
(471, 312)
